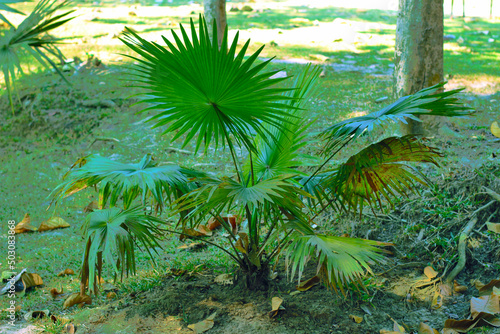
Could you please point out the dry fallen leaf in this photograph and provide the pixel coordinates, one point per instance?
(477, 283)
(430, 272)
(493, 227)
(31, 280)
(91, 207)
(70, 328)
(204, 325)
(66, 272)
(54, 293)
(488, 288)
(52, 224)
(36, 314)
(459, 288)
(426, 329)
(25, 225)
(487, 304)
(437, 300)
(306, 285)
(355, 318)
(495, 129)
(224, 279)
(275, 304)
(60, 319)
(242, 243)
(190, 232)
(76, 298)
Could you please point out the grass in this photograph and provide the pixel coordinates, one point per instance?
(54, 127)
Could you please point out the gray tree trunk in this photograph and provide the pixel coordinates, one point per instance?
(419, 55)
(215, 9)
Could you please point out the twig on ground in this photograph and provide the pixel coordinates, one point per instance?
(403, 265)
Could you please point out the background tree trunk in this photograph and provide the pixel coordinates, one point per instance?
(419, 54)
(215, 9)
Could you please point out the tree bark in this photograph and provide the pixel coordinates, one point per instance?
(215, 10)
(419, 55)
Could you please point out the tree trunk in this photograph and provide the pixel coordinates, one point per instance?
(215, 10)
(419, 55)
(463, 8)
(451, 15)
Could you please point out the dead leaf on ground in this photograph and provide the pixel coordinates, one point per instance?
(25, 225)
(193, 247)
(426, 329)
(276, 306)
(493, 227)
(31, 280)
(487, 304)
(224, 279)
(91, 207)
(77, 298)
(39, 314)
(70, 328)
(306, 285)
(437, 301)
(445, 290)
(477, 283)
(60, 319)
(214, 223)
(355, 318)
(204, 325)
(430, 272)
(54, 293)
(495, 129)
(488, 288)
(242, 243)
(483, 311)
(190, 232)
(52, 224)
(66, 272)
(459, 288)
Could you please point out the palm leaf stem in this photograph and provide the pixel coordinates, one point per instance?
(237, 259)
(229, 142)
(326, 161)
(276, 250)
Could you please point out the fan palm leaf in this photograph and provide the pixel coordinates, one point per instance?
(281, 156)
(208, 92)
(4, 7)
(126, 180)
(428, 101)
(113, 234)
(378, 171)
(31, 36)
(340, 260)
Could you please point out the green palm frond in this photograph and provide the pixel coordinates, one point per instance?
(379, 171)
(208, 92)
(217, 194)
(425, 102)
(126, 180)
(340, 260)
(31, 36)
(280, 156)
(113, 235)
(4, 7)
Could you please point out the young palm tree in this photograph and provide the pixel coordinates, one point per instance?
(31, 36)
(213, 95)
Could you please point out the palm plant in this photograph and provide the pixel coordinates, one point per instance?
(212, 95)
(31, 36)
